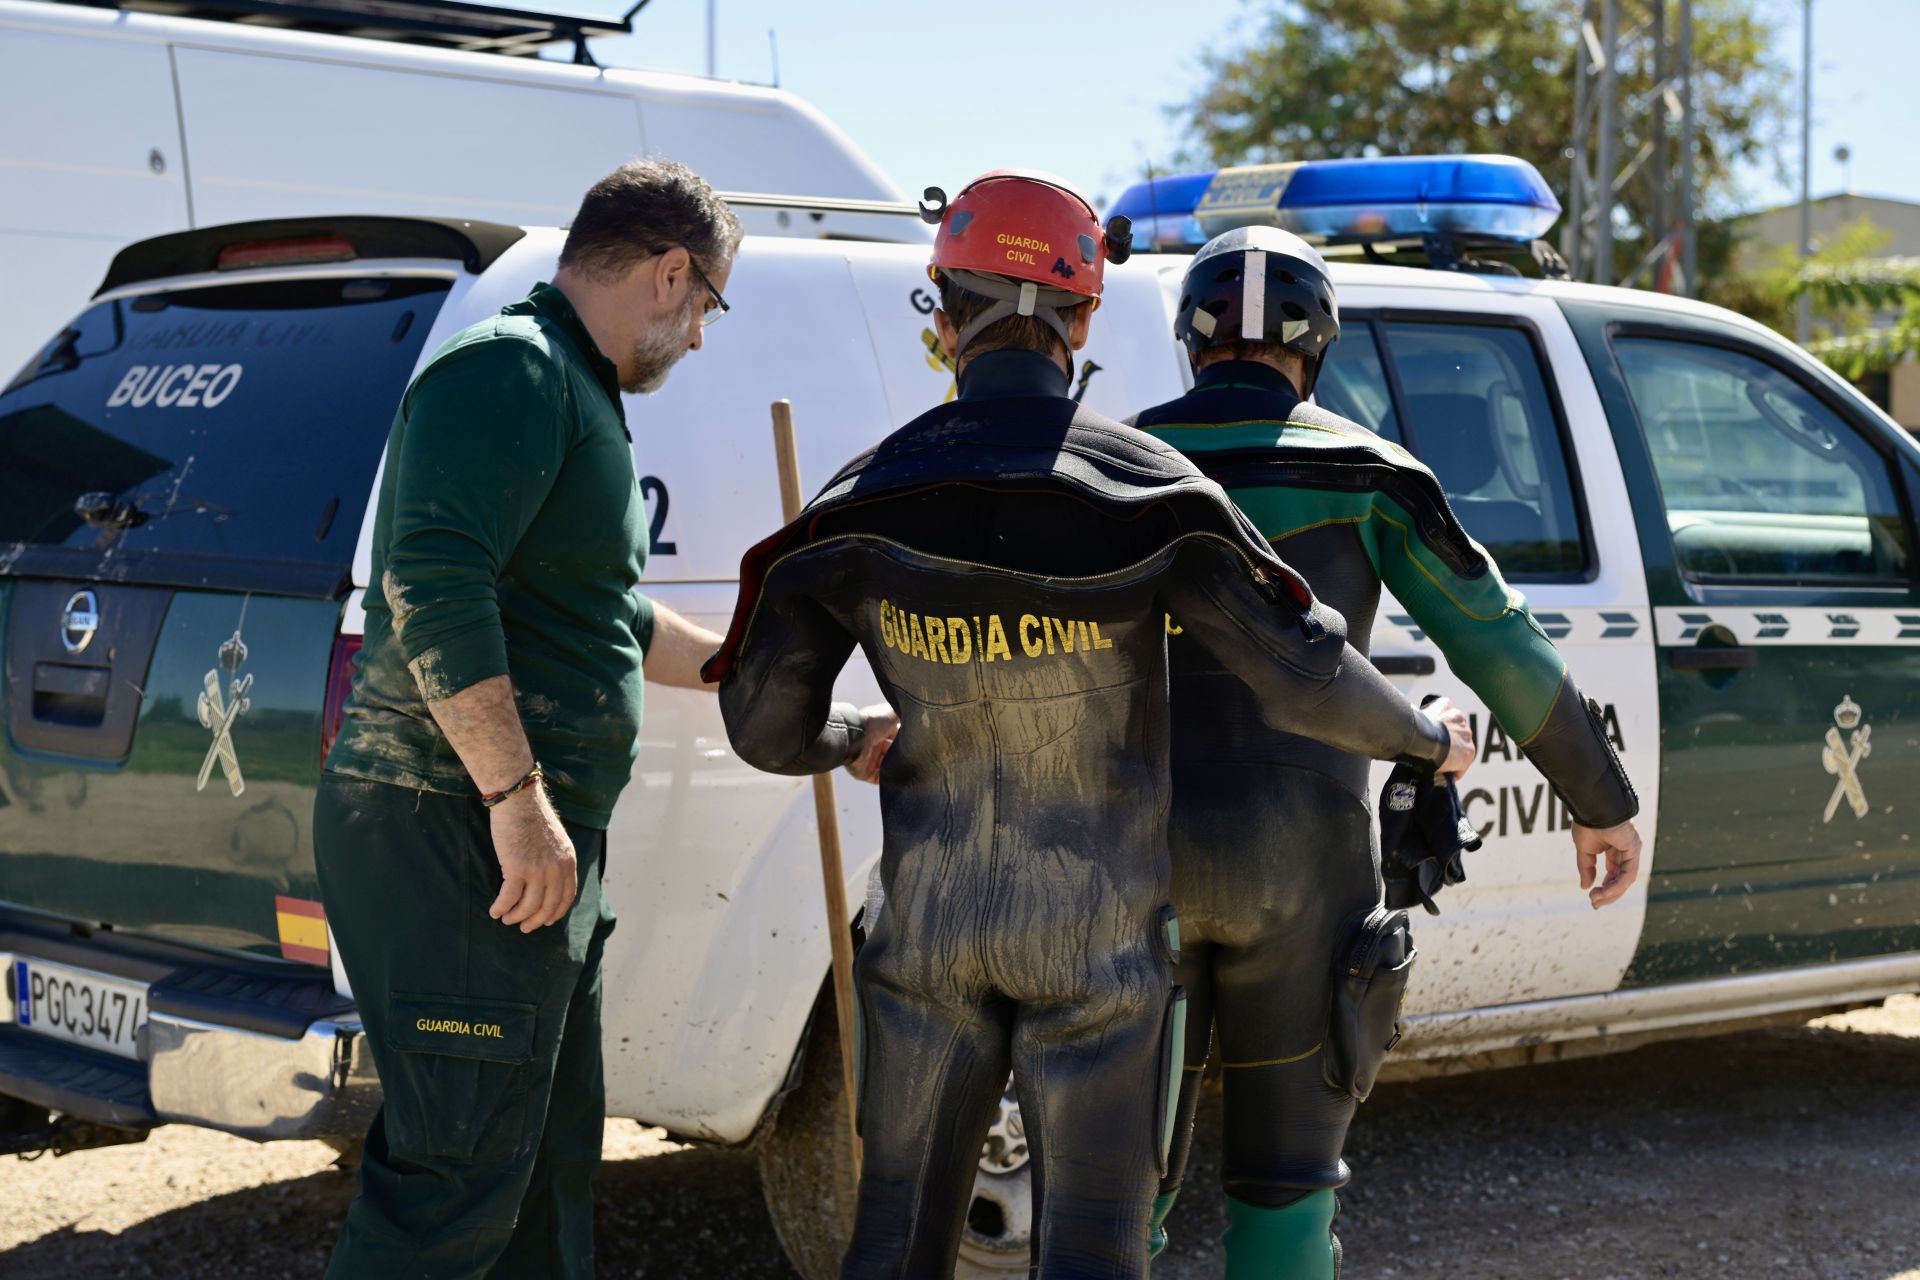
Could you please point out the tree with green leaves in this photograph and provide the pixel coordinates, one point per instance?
(1869, 285)
(1332, 78)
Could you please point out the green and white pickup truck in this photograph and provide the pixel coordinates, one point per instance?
(1717, 531)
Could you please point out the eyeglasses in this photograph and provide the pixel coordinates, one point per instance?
(719, 307)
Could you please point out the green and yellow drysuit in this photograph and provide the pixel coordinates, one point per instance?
(1276, 868)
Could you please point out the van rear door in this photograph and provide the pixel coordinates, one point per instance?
(183, 474)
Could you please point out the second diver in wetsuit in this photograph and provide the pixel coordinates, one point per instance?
(1006, 563)
(1276, 874)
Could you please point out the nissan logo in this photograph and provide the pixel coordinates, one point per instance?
(79, 620)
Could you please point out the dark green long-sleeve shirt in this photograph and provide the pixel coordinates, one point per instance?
(508, 539)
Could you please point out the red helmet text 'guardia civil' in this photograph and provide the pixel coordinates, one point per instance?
(1025, 239)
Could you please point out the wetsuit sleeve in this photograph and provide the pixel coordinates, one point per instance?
(1492, 642)
(1317, 686)
(486, 432)
(777, 699)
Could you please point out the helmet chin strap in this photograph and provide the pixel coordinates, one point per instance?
(1014, 298)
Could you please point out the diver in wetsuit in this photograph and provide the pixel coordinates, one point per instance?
(1006, 563)
(1276, 873)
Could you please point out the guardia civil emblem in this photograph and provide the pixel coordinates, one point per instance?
(1842, 758)
(218, 712)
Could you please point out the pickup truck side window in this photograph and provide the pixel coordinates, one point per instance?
(1475, 408)
(1354, 383)
(1762, 481)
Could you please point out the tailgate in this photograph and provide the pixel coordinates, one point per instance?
(183, 476)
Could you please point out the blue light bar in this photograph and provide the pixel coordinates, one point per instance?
(1162, 211)
(1482, 196)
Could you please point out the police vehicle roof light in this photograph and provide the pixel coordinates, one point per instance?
(1481, 196)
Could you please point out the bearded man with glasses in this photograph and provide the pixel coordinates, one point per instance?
(460, 827)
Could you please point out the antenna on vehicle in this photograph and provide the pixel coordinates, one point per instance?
(773, 43)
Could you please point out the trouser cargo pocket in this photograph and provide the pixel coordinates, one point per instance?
(461, 1075)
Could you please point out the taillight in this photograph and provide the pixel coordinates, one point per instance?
(339, 683)
(284, 253)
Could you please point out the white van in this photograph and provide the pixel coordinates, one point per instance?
(116, 126)
(1717, 531)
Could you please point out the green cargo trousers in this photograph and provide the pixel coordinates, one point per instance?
(480, 1161)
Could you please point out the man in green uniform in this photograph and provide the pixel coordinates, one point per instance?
(1286, 949)
(460, 827)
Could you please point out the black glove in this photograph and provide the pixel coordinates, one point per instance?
(1423, 832)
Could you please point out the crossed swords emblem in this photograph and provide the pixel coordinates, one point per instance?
(1842, 759)
(218, 714)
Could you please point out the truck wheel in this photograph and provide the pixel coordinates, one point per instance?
(1000, 1219)
(803, 1175)
(804, 1161)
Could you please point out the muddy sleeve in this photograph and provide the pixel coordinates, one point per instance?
(777, 700)
(483, 435)
(1308, 679)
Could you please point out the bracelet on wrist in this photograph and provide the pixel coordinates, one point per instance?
(533, 778)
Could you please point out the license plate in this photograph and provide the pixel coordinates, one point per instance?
(79, 1006)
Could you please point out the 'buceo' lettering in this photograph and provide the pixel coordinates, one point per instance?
(184, 386)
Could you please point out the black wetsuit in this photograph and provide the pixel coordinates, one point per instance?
(1273, 837)
(1006, 563)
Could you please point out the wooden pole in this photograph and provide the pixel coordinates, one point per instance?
(827, 813)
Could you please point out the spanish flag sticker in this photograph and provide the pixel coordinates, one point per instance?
(303, 929)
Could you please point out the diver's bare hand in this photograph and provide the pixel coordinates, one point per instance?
(1460, 729)
(1620, 846)
(883, 726)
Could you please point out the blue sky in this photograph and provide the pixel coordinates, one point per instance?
(937, 93)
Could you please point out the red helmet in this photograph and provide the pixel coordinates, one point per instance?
(1025, 238)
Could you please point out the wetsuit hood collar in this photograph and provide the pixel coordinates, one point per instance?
(1011, 371)
(1250, 374)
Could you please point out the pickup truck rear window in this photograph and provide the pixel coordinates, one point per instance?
(1761, 480)
(236, 422)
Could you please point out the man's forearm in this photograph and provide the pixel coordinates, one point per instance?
(483, 724)
(678, 649)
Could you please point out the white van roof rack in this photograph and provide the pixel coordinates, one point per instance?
(446, 24)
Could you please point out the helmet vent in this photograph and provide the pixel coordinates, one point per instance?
(1293, 310)
(1285, 277)
(1227, 275)
(1326, 306)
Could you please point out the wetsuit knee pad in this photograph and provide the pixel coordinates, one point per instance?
(1295, 1242)
(1369, 984)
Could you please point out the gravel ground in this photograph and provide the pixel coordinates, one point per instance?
(1792, 1153)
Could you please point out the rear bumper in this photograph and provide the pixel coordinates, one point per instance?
(262, 1051)
(262, 1086)
(244, 1082)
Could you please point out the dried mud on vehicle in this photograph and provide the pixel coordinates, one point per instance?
(1792, 1153)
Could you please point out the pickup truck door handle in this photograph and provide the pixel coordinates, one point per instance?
(1713, 658)
(1412, 664)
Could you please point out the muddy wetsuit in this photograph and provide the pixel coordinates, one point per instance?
(1006, 563)
(1275, 867)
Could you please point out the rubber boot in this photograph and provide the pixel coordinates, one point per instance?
(1157, 1239)
(1290, 1243)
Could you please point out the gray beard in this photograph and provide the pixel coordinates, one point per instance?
(655, 353)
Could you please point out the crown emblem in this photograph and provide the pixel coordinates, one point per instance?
(1847, 714)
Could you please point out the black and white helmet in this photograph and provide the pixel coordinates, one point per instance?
(1259, 284)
